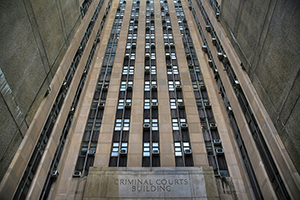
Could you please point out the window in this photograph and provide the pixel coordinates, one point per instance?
(173, 103)
(147, 104)
(178, 151)
(154, 124)
(146, 150)
(175, 124)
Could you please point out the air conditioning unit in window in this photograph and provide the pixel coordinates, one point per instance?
(217, 142)
(202, 86)
(146, 126)
(207, 105)
(218, 16)
(54, 174)
(180, 105)
(225, 59)
(154, 105)
(155, 152)
(91, 153)
(129, 87)
(64, 86)
(219, 151)
(188, 151)
(229, 110)
(184, 126)
(214, 41)
(98, 39)
(204, 48)
(153, 87)
(208, 28)
(178, 87)
(72, 110)
(77, 174)
(123, 151)
(210, 62)
(84, 72)
(216, 71)
(237, 84)
(101, 105)
(127, 105)
(105, 87)
(213, 126)
(80, 50)
(220, 56)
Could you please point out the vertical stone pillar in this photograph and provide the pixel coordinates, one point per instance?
(107, 127)
(191, 110)
(135, 146)
(167, 157)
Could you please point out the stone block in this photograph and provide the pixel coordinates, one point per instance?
(159, 183)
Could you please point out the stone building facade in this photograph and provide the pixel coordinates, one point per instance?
(142, 98)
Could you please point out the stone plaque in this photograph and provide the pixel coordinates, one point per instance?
(158, 183)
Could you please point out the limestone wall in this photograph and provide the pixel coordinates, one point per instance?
(265, 35)
(34, 37)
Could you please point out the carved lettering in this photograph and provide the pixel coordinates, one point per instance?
(168, 188)
(153, 188)
(185, 181)
(181, 181)
(140, 181)
(116, 181)
(151, 185)
(157, 181)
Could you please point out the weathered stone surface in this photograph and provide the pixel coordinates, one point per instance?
(155, 183)
(34, 37)
(10, 141)
(265, 35)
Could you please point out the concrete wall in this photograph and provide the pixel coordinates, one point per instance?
(34, 37)
(265, 34)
